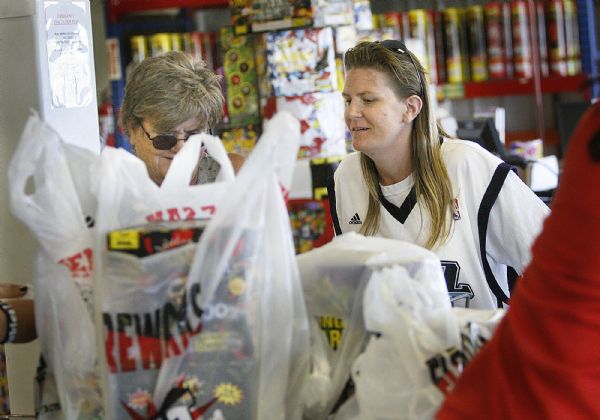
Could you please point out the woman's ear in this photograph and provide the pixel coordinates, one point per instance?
(133, 137)
(414, 104)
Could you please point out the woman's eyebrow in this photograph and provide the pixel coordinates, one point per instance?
(187, 131)
(362, 93)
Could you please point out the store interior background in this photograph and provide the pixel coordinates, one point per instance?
(18, 96)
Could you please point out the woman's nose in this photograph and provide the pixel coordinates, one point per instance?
(353, 110)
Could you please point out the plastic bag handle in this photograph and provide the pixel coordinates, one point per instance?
(185, 161)
(276, 150)
(270, 154)
(24, 163)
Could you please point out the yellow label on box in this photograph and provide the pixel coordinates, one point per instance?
(124, 239)
(320, 193)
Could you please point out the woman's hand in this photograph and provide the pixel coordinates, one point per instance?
(12, 291)
(12, 295)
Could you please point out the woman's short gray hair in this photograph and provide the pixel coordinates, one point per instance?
(170, 89)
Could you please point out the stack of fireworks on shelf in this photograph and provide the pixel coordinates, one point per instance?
(273, 15)
(302, 71)
(201, 45)
(490, 41)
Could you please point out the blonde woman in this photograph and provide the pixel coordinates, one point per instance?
(407, 182)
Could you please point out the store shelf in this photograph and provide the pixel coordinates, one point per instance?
(116, 8)
(470, 90)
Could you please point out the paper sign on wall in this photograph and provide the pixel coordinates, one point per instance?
(68, 46)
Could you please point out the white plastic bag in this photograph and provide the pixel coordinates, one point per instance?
(131, 289)
(250, 291)
(144, 317)
(60, 212)
(419, 345)
(334, 278)
(242, 315)
(128, 197)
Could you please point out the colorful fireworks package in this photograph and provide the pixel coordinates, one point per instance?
(321, 123)
(333, 12)
(145, 316)
(301, 61)
(241, 80)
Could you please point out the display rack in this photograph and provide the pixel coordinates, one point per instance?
(538, 85)
(510, 87)
(119, 28)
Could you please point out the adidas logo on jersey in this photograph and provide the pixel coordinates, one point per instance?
(355, 220)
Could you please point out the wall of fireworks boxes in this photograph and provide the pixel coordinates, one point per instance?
(273, 56)
(299, 68)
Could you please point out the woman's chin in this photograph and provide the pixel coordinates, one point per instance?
(164, 165)
(358, 145)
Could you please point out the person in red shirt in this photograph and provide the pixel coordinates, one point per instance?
(544, 360)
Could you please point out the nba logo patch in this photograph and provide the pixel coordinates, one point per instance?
(455, 209)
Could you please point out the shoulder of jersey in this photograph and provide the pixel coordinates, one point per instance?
(463, 153)
(450, 146)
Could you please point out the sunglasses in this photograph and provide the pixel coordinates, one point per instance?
(398, 47)
(166, 141)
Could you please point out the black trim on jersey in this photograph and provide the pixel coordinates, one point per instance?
(332, 207)
(400, 213)
(483, 216)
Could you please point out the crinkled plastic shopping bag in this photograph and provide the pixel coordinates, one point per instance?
(139, 268)
(232, 334)
(262, 361)
(418, 344)
(143, 309)
(127, 196)
(334, 278)
(59, 209)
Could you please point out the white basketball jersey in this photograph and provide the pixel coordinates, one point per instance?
(506, 231)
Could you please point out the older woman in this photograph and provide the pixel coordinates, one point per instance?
(167, 99)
